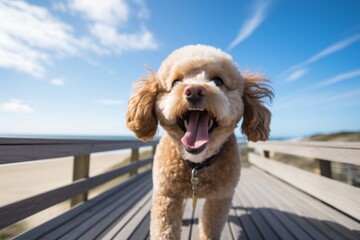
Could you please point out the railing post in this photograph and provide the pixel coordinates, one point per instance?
(153, 154)
(266, 154)
(80, 170)
(350, 174)
(325, 168)
(134, 158)
(154, 150)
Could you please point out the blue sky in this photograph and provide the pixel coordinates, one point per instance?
(66, 67)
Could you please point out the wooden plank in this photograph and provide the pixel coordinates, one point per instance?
(246, 210)
(100, 220)
(54, 141)
(35, 141)
(14, 153)
(105, 177)
(226, 233)
(328, 144)
(345, 155)
(339, 195)
(286, 216)
(83, 222)
(299, 202)
(195, 215)
(12, 213)
(196, 219)
(258, 220)
(142, 231)
(128, 229)
(187, 220)
(284, 206)
(316, 220)
(325, 219)
(109, 220)
(297, 209)
(118, 226)
(236, 228)
(279, 220)
(77, 211)
(323, 144)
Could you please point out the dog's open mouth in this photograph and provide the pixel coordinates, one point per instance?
(197, 124)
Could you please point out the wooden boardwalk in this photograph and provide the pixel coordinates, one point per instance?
(263, 208)
(272, 200)
(267, 208)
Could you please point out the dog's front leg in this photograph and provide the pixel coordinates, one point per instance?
(166, 217)
(213, 218)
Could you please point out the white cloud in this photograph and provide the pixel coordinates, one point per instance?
(143, 12)
(59, 6)
(29, 35)
(110, 102)
(260, 11)
(16, 106)
(337, 78)
(341, 96)
(297, 74)
(107, 17)
(111, 38)
(317, 100)
(109, 12)
(333, 48)
(23, 58)
(31, 38)
(57, 82)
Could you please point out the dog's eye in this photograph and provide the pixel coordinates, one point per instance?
(218, 81)
(176, 81)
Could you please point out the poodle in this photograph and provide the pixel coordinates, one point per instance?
(198, 96)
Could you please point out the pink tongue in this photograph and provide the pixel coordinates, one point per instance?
(196, 134)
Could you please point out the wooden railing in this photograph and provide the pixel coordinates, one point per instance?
(344, 197)
(25, 150)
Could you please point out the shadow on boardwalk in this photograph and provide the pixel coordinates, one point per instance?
(269, 223)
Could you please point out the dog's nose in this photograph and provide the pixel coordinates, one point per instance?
(195, 93)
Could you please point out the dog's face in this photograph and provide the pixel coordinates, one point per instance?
(199, 96)
(200, 103)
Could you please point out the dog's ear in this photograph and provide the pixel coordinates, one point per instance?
(256, 122)
(141, 115)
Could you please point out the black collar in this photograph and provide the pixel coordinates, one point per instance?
(205, 163)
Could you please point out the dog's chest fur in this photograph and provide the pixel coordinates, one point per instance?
(172, 175)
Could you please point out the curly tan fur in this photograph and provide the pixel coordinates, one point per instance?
(141, 116)
(158, 99)
(256, 123)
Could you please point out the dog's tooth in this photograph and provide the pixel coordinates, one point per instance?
(186, 124)
(211, 123)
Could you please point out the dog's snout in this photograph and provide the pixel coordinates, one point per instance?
(195, 93)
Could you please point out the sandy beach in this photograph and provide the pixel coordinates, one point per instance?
(19, 181)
